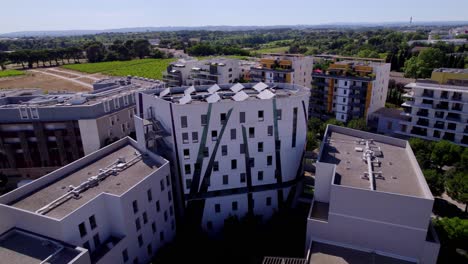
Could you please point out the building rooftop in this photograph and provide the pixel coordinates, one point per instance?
(116, 172)
(229, 92)
(432, 85)
(18, 246)
(322, 253)
(391, 170)
(452, 70)
(394, 113)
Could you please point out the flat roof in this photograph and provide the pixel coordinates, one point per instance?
(114, 184)
(322, 253)
(435, 86)
(22, 247)
(391, 113)
(399, 175)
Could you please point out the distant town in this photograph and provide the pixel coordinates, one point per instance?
(287, 144)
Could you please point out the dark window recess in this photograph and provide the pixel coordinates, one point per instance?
(233, 134)
(269, 160)
(251, 132)
(204, 120)
(92, 222)
(161, 236)
(194, 137)
(225, 179)
(233, 164)
(187, 169)
(125, 255)
(268, 201)
(242, 117)
(153, 227)
(234, 206)
(169, 196)
(260, 116)
(294, 135)
(82, 229)
(260, 175)
(242, 148)
(183, 121)
(186, 153)
(158, 207)
(145, 218)
(165, 216)
(150, 195)
(140, 240)
(242, 177)
(87, 245)
(209, 225)
(223, 118)
(260, 146)
(224, 150)
(214, 135)
(277, 144)
(168, 182)
(270, 131)
(215, 166)
(279, 114)
(97, 240)
(162, 185)
(137, 224)
(206, 152)
(217, 208)
(252, 162)
(149, 249)
(185, 138)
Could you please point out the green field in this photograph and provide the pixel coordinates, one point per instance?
(148, 68)
(10, 73)
(272, 50)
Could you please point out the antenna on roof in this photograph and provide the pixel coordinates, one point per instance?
(370, 157)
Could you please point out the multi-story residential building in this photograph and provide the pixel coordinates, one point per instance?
(42, 132)
(114, 205)
(234, 149)
(449, 76)
(283, 68)
(349, 89)
(371, 202)
(206, 72)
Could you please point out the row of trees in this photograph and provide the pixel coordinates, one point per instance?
(421, 66)
(27, 58)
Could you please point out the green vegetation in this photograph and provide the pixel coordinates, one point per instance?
(453, 234)
(148, 68)
(10, 73)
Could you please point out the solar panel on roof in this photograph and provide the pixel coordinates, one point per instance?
(164, 92)
(189, 90)
(213, 89)
(240, 96)
(266, 94)
(237, 87)
(185, 99)
(260, 86)
(213, 98)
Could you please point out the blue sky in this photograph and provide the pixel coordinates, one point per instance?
(19, 15)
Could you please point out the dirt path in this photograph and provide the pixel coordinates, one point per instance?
(64, 77)
(78, 75)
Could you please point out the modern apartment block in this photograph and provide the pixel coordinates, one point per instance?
(437, 111)
(42, 132)
(349, 89)
(114, 205)
(371, 202)
(283, 68)
(234, 149)
(206, 72)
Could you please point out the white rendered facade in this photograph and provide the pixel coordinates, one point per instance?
(223, 153)
(104, 217)
(387, 214)
(435, 112)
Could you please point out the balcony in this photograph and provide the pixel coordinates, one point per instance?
(442, 106)
(439, 125)
(428, 93)
(457, 107)
(419, 131)
(319, 211)
(100, 252)
(422, 113)
(457, 97)
(423, 122)
(439, 114)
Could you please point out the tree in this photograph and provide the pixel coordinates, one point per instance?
(95, 52)
(141, 48)
(422, 150)
(452, 231)
(312, 142)
(359, 124)
(457, 187)
(445, 153)
(3, 60)
(435, 181)
(422, 65)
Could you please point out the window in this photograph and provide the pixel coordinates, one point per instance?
(233, 164)
(162, 184)
(204, 120)
(187, 169)
(87, 245)
(145, 218)
(125, 255)
(215, 166)
(345, 91)
(97, 240)
(225, 180)
(242, 148)
(234, 206)
(186, 154)
(185, 139)
(153, 227)
(158, 207)
(214, 135)
(92, 222)
(106, 106)
(346, 83)
(209, 225)
(169, 196)
(224, 150)
(137, 224)
(188, 183)
(252, 162)
(242, 177)
(206, 152)
(161, 236)
(270, 131)
(233, 134)
(82, 229)
(242, 117)
(195, 137)
(260, 116)
(223, 118)
(140, 240)
(150, 195)
(269, 160)
(149, 249)
(279, 114)
(135, 206)
(260, 175)
(116, 103)
(344, 100)
(183, 121)
(268, 201)
(171, 211)
(165, 216)
(251, 132)
(342, 108)
(277, 144)
(217, 208)
(260, 146)
(24, 112)
(34, 113)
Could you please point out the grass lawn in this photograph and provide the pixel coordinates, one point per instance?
(10, 73)
(148, 68)
(271, 50)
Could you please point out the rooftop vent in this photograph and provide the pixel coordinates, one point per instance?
(213, 89)
(237, 87)
(260, 86)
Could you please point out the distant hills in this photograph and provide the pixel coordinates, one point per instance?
(60, 33)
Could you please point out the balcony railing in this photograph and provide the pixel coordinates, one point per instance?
(422, 113)
(423, 122)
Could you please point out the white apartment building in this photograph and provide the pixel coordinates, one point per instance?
(178, 72)
(371, 202)
(283, 68)
(114, 205)
(436, 111)
(349, 89)
(234, 149)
